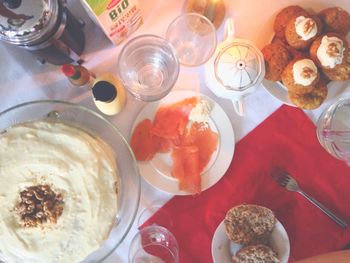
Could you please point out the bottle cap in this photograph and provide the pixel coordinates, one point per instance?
(104, 91)
(68, 70)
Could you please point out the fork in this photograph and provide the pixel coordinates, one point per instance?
(288, 182)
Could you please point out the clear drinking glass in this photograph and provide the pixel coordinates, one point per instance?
(193, 37)
(154, 244)
(148, 67)
(333, 129)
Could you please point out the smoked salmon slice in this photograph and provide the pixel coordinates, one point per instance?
(186, 168)
(163, 145)
(141, 141)
(204, 138)
(171, 120)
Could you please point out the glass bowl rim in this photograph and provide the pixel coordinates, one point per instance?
(111, 125)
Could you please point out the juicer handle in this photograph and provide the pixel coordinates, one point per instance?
(238, 105)
(229, 30)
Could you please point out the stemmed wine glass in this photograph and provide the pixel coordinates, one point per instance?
(194, 38)
(154, 243)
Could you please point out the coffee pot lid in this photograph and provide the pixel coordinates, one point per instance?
(24, 21)
(239, 65)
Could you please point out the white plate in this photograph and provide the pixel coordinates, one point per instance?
(157, 172)
(223, 249)
(280, 92)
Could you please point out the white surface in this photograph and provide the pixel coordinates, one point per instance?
(157, 171)
(223, 249)
(23, 79)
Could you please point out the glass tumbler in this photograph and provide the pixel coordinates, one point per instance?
(193, 37)
(148, 67)
(333, 129)
(154, 244)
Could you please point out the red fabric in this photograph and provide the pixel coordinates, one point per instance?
(287, 139)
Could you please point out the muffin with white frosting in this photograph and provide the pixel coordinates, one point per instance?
(336, 20)
(330, 52)
(311, 100)
(300, 76)
(283, 18)
(301, 31)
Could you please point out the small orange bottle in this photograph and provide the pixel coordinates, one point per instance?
(79, 76)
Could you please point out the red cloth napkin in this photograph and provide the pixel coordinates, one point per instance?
(286, 139)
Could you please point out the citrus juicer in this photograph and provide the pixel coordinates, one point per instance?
(236, 69)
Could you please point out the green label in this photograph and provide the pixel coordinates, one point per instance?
(98, 6)
(117, 10)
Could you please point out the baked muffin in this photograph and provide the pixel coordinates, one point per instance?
(312, 100)
(336, 20)
(276, 58)
(256, 254)
(330, 52)
(342, 71)
(249, 224)
(301, 31)
(283, 18)
(300, 76)
(292, 51)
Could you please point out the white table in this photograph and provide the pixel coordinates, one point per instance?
(23, 79)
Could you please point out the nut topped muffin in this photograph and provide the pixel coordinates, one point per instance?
(302, 30)
(330, 52)
(256, 254)
(336, 20)
(283, 18)
(249, 224)
(300, 76)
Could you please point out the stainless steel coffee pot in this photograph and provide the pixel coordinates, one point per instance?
(46, 28)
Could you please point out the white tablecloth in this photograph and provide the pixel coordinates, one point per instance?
(22, 78)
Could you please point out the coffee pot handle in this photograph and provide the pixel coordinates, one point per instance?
(229, 30)
(238, 105)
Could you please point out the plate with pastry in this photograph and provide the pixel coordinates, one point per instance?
(183, 143)
(307, 54)
(249, 232)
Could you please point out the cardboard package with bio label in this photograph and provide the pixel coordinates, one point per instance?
(117, 18)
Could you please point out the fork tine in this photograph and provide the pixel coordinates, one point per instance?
(278, 173)
(283, 181)
(280, 176)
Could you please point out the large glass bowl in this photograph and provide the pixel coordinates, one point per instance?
(92, 122)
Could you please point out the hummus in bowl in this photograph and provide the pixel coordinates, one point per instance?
(63, 188)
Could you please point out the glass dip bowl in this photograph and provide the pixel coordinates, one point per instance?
(95, 124)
